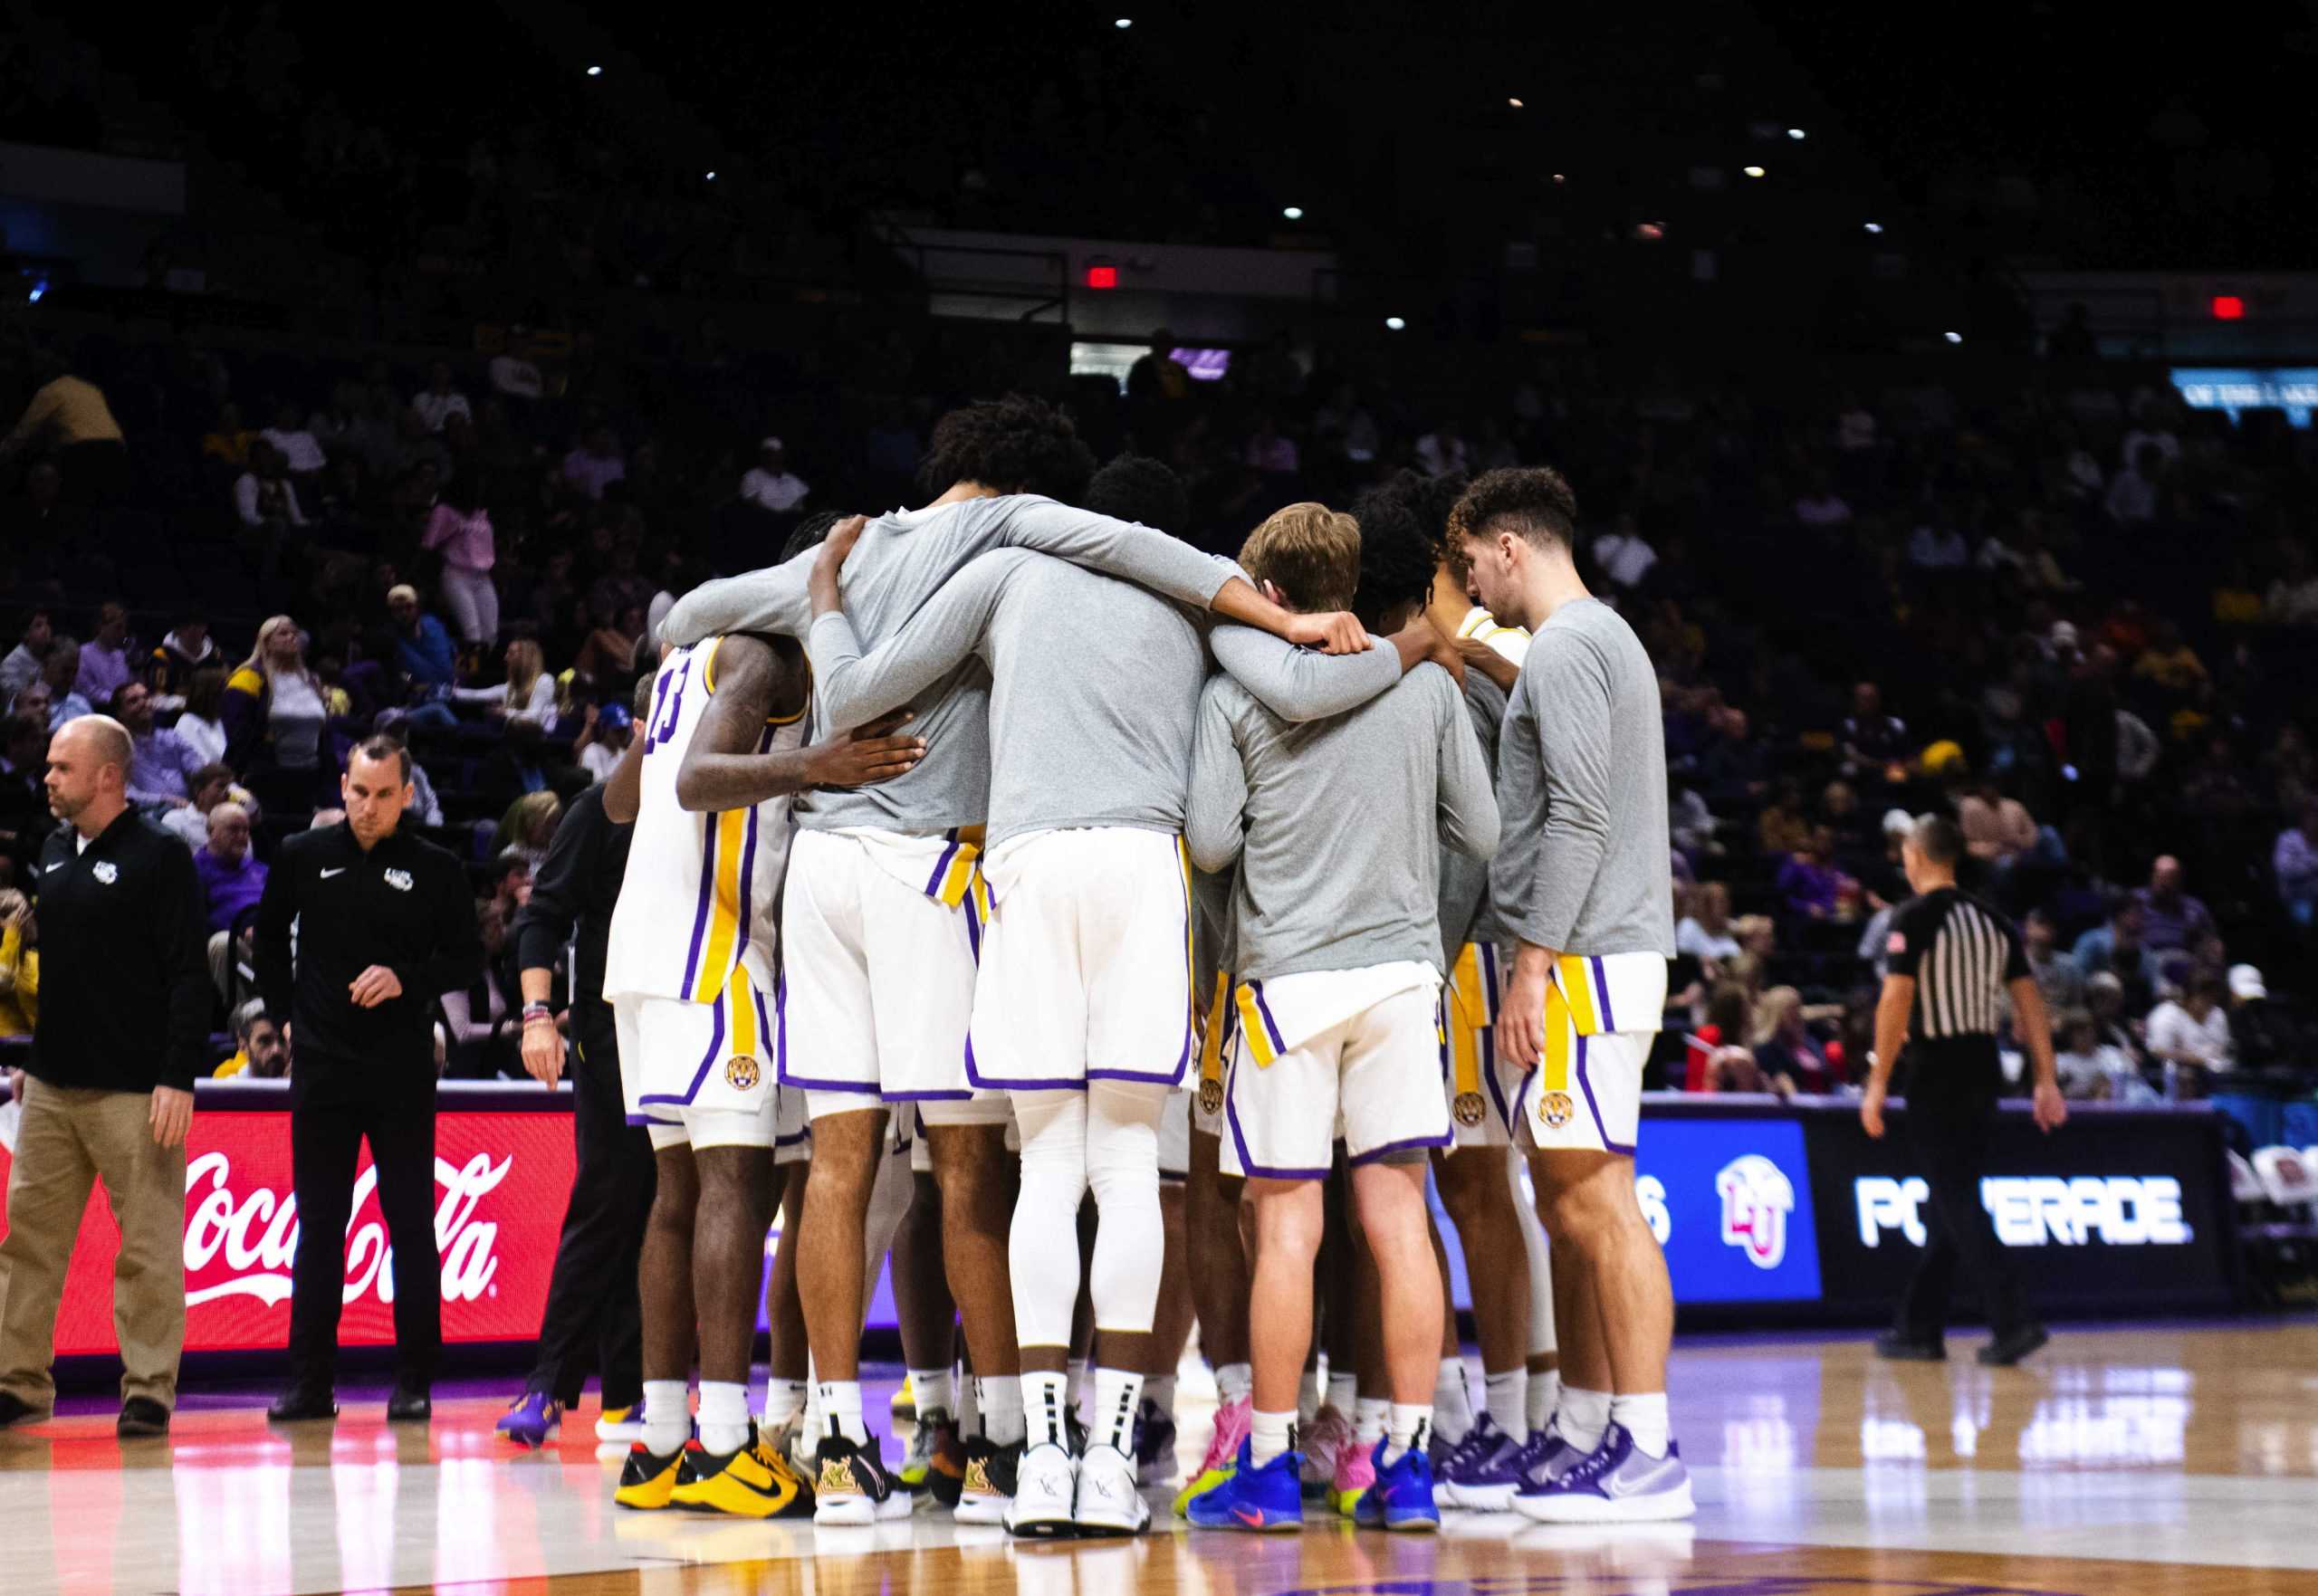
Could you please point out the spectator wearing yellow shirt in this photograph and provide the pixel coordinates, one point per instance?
(68, 415)
(19, 965)
(2169, 662)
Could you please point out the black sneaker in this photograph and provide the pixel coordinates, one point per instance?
(412, 1403)
(15, 1411)
(1910, 1349)
(2012, 1346)
(141, 1417)
(303, 1400)
(989, 1487)
(851, 1486)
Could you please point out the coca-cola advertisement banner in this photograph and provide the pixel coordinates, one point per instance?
(501, 1183)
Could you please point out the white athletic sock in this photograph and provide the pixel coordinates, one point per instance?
(1406, 1428)
(1343, 1390)
(1507, 1398)
(1161, 1390)
(1117, 1392)
(784, 1399)
(1371, 1414)
(1044, 1396)
(936, 1391)
(1076, 1374)
(1452, 1404)
(724, 1416)
(1268, 1435)
(841, 1401)
(1582, 1417)
(1000, 1400)
(667, 1416)
(1645, 1416)
(969, 1410)
(1234, 1382)
(1545, 1395)
(1308, 1397)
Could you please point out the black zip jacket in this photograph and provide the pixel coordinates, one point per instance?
(572, 895)
(405, 905)
(124, 962)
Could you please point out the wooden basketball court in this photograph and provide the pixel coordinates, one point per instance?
(2120, 1461)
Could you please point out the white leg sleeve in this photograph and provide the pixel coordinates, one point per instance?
(1541, 1270)
(1131, 1232)
(888, 1204)
(1043, 1244)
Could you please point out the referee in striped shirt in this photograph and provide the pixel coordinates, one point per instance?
(1953, 961)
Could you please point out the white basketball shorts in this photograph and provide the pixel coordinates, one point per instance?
(1376, 1072)
(701, 1073)
(1086, 964)
(877, 988)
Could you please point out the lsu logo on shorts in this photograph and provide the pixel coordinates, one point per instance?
(742, 1073)
(1556, 1108)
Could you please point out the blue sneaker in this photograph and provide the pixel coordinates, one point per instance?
(534, 1417)
(1402, 1497)
(1251, 1499)
(1618, 1482)
(1483, 1473)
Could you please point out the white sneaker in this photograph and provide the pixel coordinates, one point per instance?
(1108, 1500)
(1044, 1490)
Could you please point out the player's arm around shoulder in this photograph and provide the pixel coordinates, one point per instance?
(1214, 813)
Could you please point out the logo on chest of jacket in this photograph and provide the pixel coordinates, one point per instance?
(400, 880)
(105, 871)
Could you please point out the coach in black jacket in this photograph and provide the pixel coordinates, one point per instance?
(592, 1315)
(385, 925)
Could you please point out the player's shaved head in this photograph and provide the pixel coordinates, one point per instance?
(101, 739)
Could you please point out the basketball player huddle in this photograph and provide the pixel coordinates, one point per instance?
(1001, 858)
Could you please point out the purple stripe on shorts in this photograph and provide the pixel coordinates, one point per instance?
(1601, 987)
(942, 867)
(1413, 1143)
(1271, 1026)
(780, 1050)
(991, 1083)
(1497, 1086)
(1248, 1164)
(748, 864)
(715, 1041)
(1586, 1086)
(700, 915)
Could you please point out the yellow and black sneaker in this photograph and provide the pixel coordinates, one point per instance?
(754, 1481)
(649, 1479)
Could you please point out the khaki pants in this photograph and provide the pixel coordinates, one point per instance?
(69, 1140)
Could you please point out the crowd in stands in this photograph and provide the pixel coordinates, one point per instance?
(2074, 615)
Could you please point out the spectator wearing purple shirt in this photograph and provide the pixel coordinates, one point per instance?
(161, 764)
(596, 464)
(232, 878)
(105, 667)
(2170, 917)
(1809, 881)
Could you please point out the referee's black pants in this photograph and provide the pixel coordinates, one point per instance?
(1948, 1136)
(593, 1320)
(339, 1104)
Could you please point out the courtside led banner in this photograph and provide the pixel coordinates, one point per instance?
(501, 1183)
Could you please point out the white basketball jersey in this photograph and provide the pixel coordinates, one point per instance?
(699, 899)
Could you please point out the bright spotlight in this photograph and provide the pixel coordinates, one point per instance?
(1395, 324)
(1953, 338)
(1123, 23)
(1796, 133)
(595, 72)
(1752, 171)
(1875, 228)
(1294, 213)
(1514, 103)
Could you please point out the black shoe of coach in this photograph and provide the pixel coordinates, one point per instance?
(15, 1411)
(1910, 1349)
(304, 1401)
(141, 1417)
(2013, 1345)
(412, 1402)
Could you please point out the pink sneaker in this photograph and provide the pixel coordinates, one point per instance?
(1355, 1472)
(1322, 1442)
(1231, 1425)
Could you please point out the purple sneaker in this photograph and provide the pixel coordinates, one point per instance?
(1484, 1472)
(1618, 1482)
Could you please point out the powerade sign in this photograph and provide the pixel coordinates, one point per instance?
(1731, 1201)
(2118, 1209)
